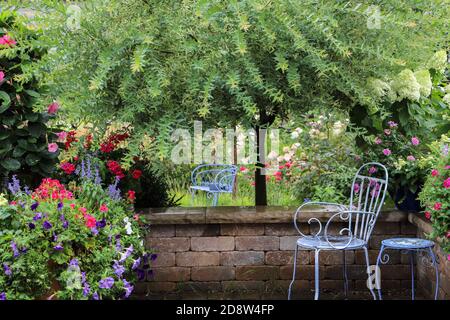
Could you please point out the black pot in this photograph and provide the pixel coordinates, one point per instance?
(407, 201)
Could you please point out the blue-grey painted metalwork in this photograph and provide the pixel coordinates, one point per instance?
(367, 196)
(213, 179)
(411, 246)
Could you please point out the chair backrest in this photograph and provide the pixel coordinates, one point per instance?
(368, 192)
(218, 177)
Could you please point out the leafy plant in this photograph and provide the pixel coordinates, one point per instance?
(25, 138)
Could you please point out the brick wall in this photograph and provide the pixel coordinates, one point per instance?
(202, 257)
(426, 273)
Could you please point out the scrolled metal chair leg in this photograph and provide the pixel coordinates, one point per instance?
(436, 269)
(293, 273)
(368, 273)
(378, 275)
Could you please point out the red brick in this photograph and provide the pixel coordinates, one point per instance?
(280, 258)
(257, 273)
(386, 228)
(161, 231)
(195, 259)
(243, 285)
(164, 260)
(285, 229)
(333, 257)
(239, 258)
(168, 244)
(257, 243)
(242, 229)
(161, 286)
(288, 242)
(170, 274)
(197, 230)
(212, 243)
(302, 272)
(395, 272)
(212, 273)
(408, 228)
(360, 258)
(200, 287)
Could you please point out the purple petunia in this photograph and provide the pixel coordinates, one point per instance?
(37, 216)
(106, 283)
(118, 269)
(136, 264)
(128, 288)
(2, 296)
(14, 249)
(94, 231)
(60, 206)
(34, 206)
(86, 289)
(126, 254)
(58, 247)
(74, 262)
(101, 224)
(31, 226)
(140, 274)
(47, 225)
(65, 224)
(153, 257)
(95, 296)
(7, 269)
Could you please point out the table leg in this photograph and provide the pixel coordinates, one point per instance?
(411, 252)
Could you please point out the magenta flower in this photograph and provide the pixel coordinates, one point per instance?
(356, 187)
(434, 172)
(447, 183)
(61, 136)
(52, 147)
(387, 152)
(378, 140)
(392, 124)
(415, 141)
(372, 170)
(53, 108)
(410, 158)
(2, 76)
(7, 41)
(387, 132)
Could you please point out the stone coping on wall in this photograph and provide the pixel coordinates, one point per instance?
(256, 214)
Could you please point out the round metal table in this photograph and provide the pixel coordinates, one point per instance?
(411, 246)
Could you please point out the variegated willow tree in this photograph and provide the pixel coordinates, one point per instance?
(163, 64)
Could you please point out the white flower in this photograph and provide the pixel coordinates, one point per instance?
(406, 86)
(127, 226)
(280, 158)
(438, 61)
(379, 87)
(287, 157)
(424, 79)
(294, 135)
(286, 149)
(446, 99)
(272, 155)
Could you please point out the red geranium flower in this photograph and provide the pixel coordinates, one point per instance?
(437, 206)
(131, 195)
(90, 221)
(428, 215)
(136, 174)
(68, 167)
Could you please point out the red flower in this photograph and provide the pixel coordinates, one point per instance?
(103, 208)
(446, 183)
(448, 235)
(90, 221)
(131, 195)
(428, 215)
(70, 138)
(434, 172)
(136, 174)
(288, 165)
(88, 141)
(115, 168)
(437, 206)
(68, 167)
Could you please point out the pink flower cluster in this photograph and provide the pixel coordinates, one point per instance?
(6, 40)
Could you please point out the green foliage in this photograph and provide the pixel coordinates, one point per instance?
(55, 243)
(160, 64)
(24, 134)
(437, 191)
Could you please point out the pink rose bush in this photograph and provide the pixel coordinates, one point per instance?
(435, 196)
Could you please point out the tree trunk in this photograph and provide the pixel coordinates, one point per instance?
(260, 179)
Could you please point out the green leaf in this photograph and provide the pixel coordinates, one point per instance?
(18, 152)
(10, 164)
(6, 101)
(37, 129)
(32, 159)
(33, 93)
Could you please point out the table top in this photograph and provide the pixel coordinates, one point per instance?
(407, 243)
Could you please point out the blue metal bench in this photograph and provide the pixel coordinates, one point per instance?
(213, 179)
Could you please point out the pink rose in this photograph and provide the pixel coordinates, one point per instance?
(434, 172)
(410, 158)
(378, 140)
(52, 147)
(356, 187)
(428, 215)
(415, 141)
(372, 170)
(103, 208)
(53, 108)
(2, 76)
(437, 206)
(387, 152)
(61, 136)
(387, 132)
(447, 183)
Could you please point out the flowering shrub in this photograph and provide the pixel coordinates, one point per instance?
(26, 142)
(81, 242)
(435, 196)
(405, 157)
(106, 158)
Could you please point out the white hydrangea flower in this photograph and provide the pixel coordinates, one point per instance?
(294, 135)
(379, 87)
(406, 86)
(438, 61)
(423, 77)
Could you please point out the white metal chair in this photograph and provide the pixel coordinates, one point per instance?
(366, 199)
(213, 179)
